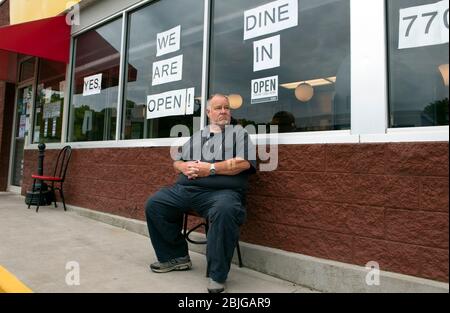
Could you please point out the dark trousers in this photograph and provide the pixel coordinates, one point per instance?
(222, 208)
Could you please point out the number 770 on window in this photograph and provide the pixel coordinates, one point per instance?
(424, 25)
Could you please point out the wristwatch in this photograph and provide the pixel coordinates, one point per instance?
(212, 170)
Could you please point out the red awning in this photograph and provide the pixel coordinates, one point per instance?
(47, 38)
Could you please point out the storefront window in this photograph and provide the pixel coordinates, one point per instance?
(49, 102)
(164, 66)
(418, 66)
(93, 111)
(286, 62)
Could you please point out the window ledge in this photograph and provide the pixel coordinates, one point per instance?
(416, 134)
(421, 134)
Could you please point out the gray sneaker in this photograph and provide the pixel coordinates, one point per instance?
(215, 287)
(177, 264)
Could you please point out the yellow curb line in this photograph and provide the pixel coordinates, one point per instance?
(10, 284)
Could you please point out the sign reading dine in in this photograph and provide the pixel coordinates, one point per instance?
(270, 18)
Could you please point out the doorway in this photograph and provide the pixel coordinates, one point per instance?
(24, 104)
(22, 121)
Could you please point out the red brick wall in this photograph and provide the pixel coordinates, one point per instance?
(4, 13)
(351, 203)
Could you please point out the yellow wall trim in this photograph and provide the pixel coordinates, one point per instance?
(10, 284)
(22, 11)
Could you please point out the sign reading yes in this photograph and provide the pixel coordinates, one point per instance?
(92, 85)
(270, 18)
(424, 25)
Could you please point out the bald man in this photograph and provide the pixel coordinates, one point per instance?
(213, 167)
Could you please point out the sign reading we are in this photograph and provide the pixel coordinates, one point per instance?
(169, 70)
(173, 102)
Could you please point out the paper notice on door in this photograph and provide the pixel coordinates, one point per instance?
(46, 128)
(54, 127)
(22, 126)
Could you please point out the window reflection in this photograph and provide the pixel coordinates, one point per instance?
(144, 26)
(27, 69)
(315, 55)
(418, 74)
(49, 102)
(93, 111)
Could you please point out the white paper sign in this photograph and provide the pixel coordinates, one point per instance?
(171, 103)
(22, 126)
(424, 25)
(52, 110)
(62, 86)
(46, 128)
(27, 125)
(54, 128)
(190, 94)
(47, 111)
(270, 18)
(48, 95)
(92, 85)
(167, 71)
(37, 135)
(265, 90)
(168, 41)
(266, 53)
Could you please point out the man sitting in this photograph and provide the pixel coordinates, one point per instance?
(213, 168)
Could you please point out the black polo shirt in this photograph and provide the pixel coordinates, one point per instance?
(217, 147)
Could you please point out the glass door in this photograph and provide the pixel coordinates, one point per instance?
(24, 105)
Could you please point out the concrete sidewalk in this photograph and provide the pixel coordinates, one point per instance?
(36, 247)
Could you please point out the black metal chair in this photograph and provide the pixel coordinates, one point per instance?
(205, 224)
(59, 176)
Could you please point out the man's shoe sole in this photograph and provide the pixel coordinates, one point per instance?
(216, 290)
(180, 267)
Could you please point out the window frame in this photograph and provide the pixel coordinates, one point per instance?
(381, 132)
(394, 130)
(160, 142)
(72, 60)
(369, 114)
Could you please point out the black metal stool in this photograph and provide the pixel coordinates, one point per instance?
(187, 232)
